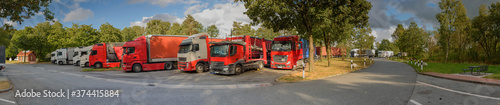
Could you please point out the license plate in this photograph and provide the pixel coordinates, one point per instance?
(279, 66)
(182, 69)
(216, 72)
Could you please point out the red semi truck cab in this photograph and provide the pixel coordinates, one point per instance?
(151, 52)
(106, 55)
(194, 53)
(238, 54)
(286, 52)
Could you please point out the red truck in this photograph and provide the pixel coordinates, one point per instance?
(194, 53)
(151, 52)
(238, 54)
(288, 52)
(106, 55)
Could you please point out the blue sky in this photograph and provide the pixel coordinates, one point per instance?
(384, 15)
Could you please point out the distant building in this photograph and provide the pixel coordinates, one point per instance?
(30, 56)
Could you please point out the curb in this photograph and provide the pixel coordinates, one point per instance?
(10, 83)
(463, 80)
(276, 80)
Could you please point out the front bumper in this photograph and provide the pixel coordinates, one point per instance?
(186, 66)
(281, 66)
(126, 67)
(229, 69)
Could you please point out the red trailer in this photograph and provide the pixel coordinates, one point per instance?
(151, 52)
(106, 55)
(238, 54)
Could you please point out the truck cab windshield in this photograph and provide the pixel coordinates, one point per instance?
(281, 46)
(185, 48)
(219, 50)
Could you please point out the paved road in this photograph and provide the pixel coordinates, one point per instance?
(385, 82)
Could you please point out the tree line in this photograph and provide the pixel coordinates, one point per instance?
(458, 38)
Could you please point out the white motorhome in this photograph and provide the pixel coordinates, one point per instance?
(385, 53)
(84, 56)
(65, 56)
(369, 52)
(53, 57)
(354, 52)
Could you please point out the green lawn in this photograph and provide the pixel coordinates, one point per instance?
(451, 68)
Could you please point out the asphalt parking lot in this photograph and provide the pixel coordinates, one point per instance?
(175, 76)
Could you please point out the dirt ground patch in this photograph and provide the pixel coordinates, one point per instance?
(4, 85)
(321, 69)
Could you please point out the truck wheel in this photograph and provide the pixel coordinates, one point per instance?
(86, 64)
(77, 63)
(137, 68)
(98, 65)
(169, 65)
(60, 63)
(238, 70)
(200, 68)
(261, 66)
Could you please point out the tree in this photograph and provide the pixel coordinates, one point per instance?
(453, 22)
(175, 29)
(130, 33)
(190, 26)
(385, 45)
(239, 29)
(108, 33)
(485, 31)
(18, 10)
(157, 27)
(302, 15)
(363, 39)
(212, 31)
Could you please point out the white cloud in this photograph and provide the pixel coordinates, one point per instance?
(164, 3)
(163, 17)
(9, 22)
(195, 8)
(223, 15)
(78, 15)
(382, 33)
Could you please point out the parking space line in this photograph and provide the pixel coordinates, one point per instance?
(415, 102)
(460, 92)
(7, 101)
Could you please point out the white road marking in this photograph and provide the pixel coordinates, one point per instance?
(460, 92)
(7, 101)
(415, 102)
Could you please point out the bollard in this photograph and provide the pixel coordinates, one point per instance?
(421, 66)
(364, 63)
(303, 70)
(351, 64)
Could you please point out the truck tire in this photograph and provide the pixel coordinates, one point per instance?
(169, 65)
(137, 68)
(98, 65)
(60, 62)
(238, 69)
(86, 64)
(261, 65)
(200, 68)
(77, 63)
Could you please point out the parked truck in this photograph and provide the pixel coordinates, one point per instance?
(65, 56)
(2, 57)
(76, 56)
(106, 55)
(84, 57)
(151, 52)
(53, 57)
(194, 53)
(238, 54)
(288, 52)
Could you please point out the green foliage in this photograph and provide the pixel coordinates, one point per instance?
(362, 38)
(239, 29)
(486, 32)
(80, 35)
(453, 22)
(130, 33)
(385, 45)
(212, 31)
(18, 10)
(411, 40)
(108, 33)
(190, 26)
(157, 27)
(175, 29)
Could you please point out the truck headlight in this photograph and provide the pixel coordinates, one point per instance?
(225, 69)
(187, 64)
(272, 62)
(288, 62)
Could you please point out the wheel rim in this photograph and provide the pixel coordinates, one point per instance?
(168, 66)
(238, 70)
(98, 65)
(86, 64)
(137, 68)
(261, 65)
(199, 67)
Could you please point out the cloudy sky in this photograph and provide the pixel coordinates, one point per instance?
(384, 15)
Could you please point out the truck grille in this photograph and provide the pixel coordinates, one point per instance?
(182, 65)
(280, 58)
(182, 59)
(216, 64)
